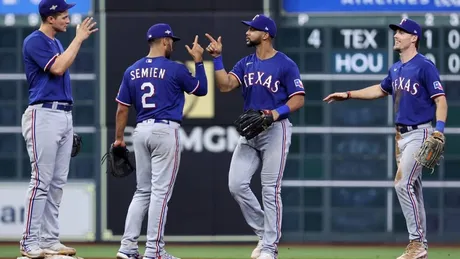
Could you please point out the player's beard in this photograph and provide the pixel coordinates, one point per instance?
(168, 52)
(253, 43)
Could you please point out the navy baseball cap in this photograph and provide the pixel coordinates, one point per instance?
(161, 30)
(409, 26)
(50, 7)
(261, 22)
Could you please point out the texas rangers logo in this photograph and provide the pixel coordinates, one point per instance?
(298, 83)
(437, 85)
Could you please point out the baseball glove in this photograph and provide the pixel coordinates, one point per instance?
(118, 161)
(251, 123)
(431, 151)
(76, 146)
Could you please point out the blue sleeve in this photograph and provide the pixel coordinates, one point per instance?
(124, 96)
(40, 52)
(292, 80)
(385, 84)
(197, 85)
(432, 82)
(238, 70)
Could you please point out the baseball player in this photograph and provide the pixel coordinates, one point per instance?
(269, 81)
(47, 125)
(155, 86)
(418, 98)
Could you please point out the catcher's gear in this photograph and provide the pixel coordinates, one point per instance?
(76, 146)
(118, 161)
(251, 123)
(431, 151)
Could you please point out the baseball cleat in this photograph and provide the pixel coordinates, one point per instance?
(121, 255)
(265, 255)
(415, 250)
(164, 256)
(59, 249)
(256, 252)
(32, 252)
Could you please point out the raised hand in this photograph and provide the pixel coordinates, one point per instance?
(336, 97)
(86, 28)
(196, 51)
(215, 46)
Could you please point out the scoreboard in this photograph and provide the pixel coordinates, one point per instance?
(363, 45)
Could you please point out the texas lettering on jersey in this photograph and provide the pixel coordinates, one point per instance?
(405, 84)
(413, 86)
(156, 86)
(267, 84)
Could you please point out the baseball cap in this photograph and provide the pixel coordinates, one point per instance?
(262, 23)
(50, 7)
(409, 26)
(161, 30)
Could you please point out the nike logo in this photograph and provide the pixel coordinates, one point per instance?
(249, 63)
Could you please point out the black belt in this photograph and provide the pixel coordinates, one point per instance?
(406, 128)
(62, 107)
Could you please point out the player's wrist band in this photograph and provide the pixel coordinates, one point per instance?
(283, 110)
(440, 126)
(218, 63)
(348, 94)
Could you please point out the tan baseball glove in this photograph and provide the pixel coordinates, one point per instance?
(432, 150)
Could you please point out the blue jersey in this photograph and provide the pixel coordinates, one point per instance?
(39, 53)
(156, 86)
(267, 84)
(413, 85)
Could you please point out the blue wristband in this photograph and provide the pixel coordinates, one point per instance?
(218, 63)
(283, 110)
(440, 126)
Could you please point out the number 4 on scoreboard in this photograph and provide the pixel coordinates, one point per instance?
(315, 38)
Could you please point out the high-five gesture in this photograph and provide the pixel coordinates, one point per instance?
(215, 47)
(336, 97)
(86, 28)
(196, 51)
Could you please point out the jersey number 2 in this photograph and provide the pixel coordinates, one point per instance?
(149, 94)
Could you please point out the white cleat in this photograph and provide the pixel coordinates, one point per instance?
(59, 249)
(121, 255)
(32, 252)
(256, 252)
(265, 255)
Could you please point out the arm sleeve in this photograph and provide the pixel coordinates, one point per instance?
(292, 81)
(124, 96)
(238, 70)
(432, 82)
(40, 51)
(385, 84)
(197, 85)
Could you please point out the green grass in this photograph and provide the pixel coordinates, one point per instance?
(243, 252)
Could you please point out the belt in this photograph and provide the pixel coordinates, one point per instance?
(163, 121)
(62, 107)
(406, 128)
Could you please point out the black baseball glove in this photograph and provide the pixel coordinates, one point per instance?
(76, 146)
(251, 123)
(118, 161)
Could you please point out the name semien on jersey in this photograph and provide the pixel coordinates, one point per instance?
(148, 72)
(413, 85)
